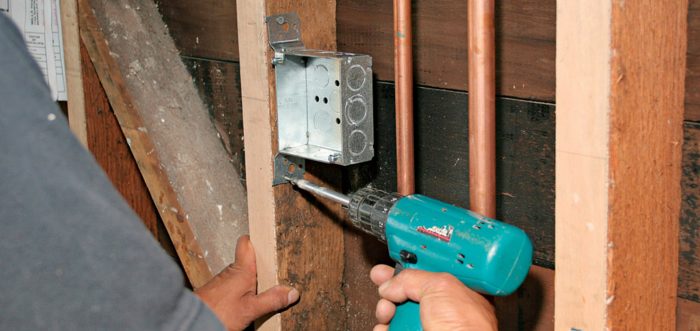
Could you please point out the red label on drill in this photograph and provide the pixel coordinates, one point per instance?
(443, 233)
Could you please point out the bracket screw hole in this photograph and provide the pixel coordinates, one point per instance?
(325, 100)
(337, 83)
(316, 98)
(337, 121)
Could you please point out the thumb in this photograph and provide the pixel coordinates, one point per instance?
(274, 299)
(245, 255)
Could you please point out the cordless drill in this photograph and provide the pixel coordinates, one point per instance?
(487, 255)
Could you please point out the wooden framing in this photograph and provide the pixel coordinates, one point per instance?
(290, 231)
(74, 78)
(298, 238)
(195, 188)
(620, 88)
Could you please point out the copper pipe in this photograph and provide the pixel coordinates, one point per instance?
(482, 108)
(403, 72)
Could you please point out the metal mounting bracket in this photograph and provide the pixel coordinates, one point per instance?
(324, 98)
(284, 33)
(286, 167)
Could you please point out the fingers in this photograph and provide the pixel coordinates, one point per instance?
(381, 273)
(385, 311)
(414, 284)
(381, 327)
(245, 255)
(274, 299)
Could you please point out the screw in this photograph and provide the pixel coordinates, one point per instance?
(333, 158)
(280, 20)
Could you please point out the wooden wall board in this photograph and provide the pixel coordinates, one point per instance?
(299, 238)
(689, 275)
(525, 29)
(531, 308)
(219, 86)
(184, 164)
(688, 316)
(692, 82)
(362, 252)
(204, 28)
(525, 33)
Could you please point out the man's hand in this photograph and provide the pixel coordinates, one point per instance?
(232, 293)
(445, 303)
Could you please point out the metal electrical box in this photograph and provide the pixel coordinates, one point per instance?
(324, 98)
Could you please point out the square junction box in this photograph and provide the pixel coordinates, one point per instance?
(324, 98)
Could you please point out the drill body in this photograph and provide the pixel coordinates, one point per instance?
(487, 255)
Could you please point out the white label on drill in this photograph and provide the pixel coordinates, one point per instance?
(443, 233)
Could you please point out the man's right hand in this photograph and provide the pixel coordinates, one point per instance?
(445, 303)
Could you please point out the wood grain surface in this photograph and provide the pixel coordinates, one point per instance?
(203, 28)
(692, 81)
(689, 274)
(74, 76)
(184, 165)
(299, 238)
(525, 44)
(219, 86)
(645, 194)
(110, 149)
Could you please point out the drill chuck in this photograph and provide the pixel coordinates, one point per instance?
(369, 210)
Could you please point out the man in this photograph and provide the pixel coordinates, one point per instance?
(74, 256)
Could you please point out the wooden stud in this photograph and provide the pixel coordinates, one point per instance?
(74, 78)
(299, 238)
(620, 92)
(186, 168)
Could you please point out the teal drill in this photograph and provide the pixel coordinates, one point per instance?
(487, 255)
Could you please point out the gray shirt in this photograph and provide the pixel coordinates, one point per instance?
(73, 255)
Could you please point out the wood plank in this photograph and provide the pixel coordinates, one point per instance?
(362, 252)
(71, 58)
(692, 82)
(643, 188)
(219, 86)
(184, 164)
(688, 315)
(531, 308)
(609, 71)
(300, 240)
(525, 29)
(205, 28)
(525, 33)
(689, 274)
(109, 146)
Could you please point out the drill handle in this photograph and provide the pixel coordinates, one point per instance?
(407, 316)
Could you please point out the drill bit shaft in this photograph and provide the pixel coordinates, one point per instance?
(321, 191)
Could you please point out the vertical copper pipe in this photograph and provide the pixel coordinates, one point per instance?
(403, 71)
(482, 108)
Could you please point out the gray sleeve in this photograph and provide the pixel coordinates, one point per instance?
(73, 255)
